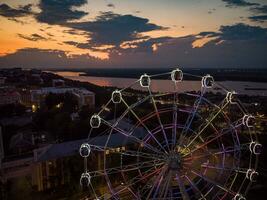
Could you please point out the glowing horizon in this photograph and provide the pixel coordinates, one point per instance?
(81, 28)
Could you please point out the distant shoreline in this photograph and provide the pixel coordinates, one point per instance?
(251, 75)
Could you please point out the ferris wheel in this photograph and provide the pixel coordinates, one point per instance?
(171, 145)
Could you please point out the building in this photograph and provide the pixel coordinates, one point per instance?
(2, 152)
(58, 83)
(47, 168)
(9, 96)
(84, 96)
(26, 98)
(2, 80)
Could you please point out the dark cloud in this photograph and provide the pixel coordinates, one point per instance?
(260, 9)
(59, 12)
(243, 32)
(37, 58)
(113, 29)
(243, 46)
(235, 53)
(107, 29)
(258, 18)
(208, 34)
(49, 34)
(146, 45)
(237, 3)
(21, 11)
(211, 10)
(32, 37)
(71, 43)
(74, 32)
(240, 31)
(111, 5)
(87, 45)
(80, 45)
(260, 14)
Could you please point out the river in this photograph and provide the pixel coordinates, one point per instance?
(241, 87)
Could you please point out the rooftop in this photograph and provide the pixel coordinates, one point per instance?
(46, 90)
(54, 151)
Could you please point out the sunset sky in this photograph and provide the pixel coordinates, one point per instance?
(133, 33)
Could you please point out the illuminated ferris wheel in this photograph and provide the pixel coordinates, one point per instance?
(171, 145)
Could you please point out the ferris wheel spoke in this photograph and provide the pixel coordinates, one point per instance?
(129, 86)
(146, 128)
(174, 117)
(158, 117)
(130, 135)
(218, 185)
(157, 182)
(126, 152)
(104, 107)
(162, 187)
(213, 114)
(158, 187)
(129, 183)
(192, 75)
(210, 153)
(191, 116)
(174, 129)
(148, 183)
(137, 179)
(195, 188)
(166, 188)
(238, 170)
(142, 155)
(181, 185)
(223, 132)
(160, 74)
(126, 168)
(93, 190)
(207, 124)
(207, 142)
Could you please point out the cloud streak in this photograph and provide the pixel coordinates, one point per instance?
(21, 11)
(59, 12)
(260, 14)
(238, 3)
(110, 5)
(33, 37)
(113, 29)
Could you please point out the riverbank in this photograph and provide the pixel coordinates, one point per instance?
(220, 74)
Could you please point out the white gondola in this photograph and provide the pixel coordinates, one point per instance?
(85, 150)
(145, 80)
(85, 179)
(255, 148)
(248, 120)
(116, 96)
(231, 97)
(239, 197)
(207, 81)
(252, 175)
(177, 75)
(95, 121)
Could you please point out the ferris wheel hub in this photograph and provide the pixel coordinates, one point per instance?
(174, 161)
